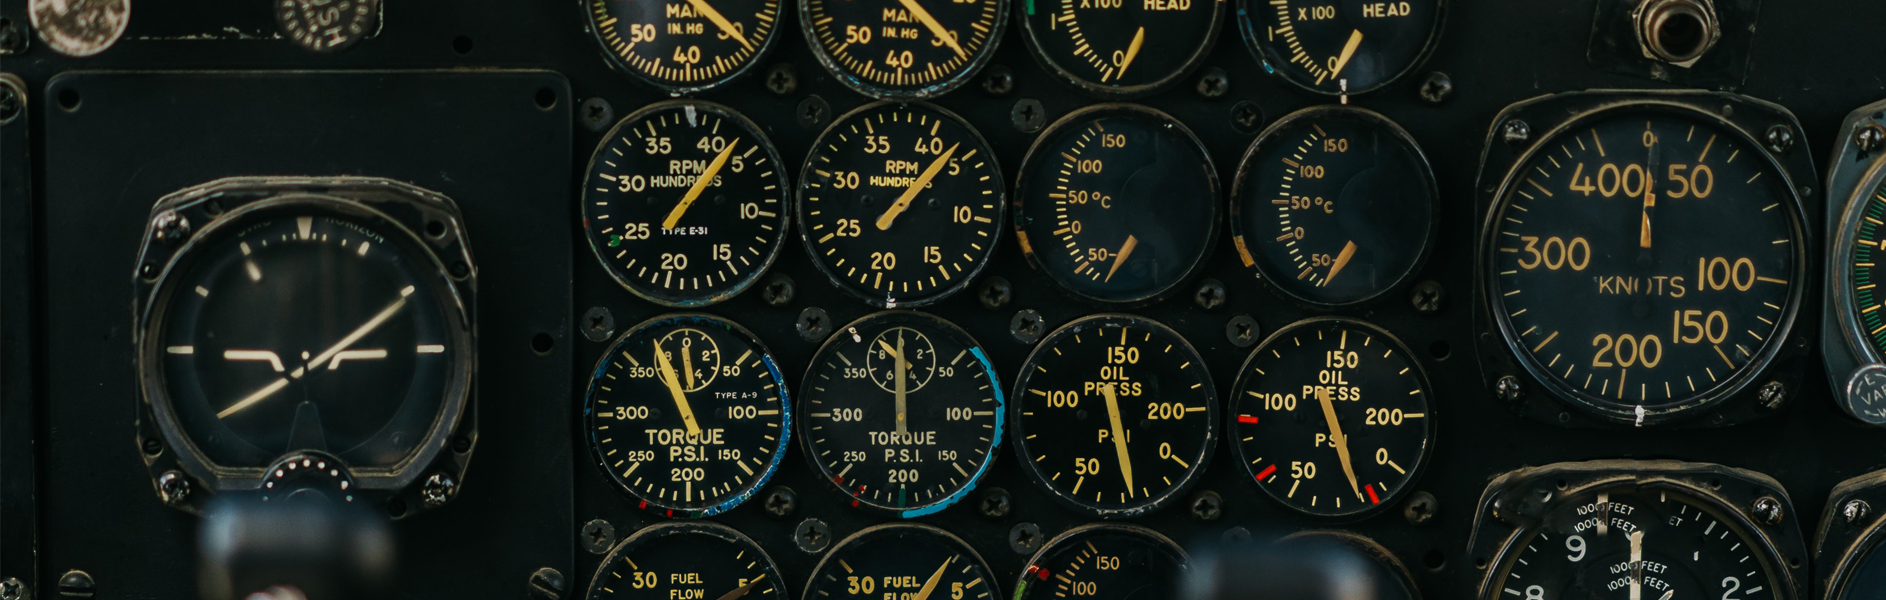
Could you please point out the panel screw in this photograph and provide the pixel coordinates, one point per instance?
(781, 502)
(1210, 294)
(1854, 511)
(1780, 138)
(996, 503)
(1242, 330)
(778, 290)
(813, 536)
(546, 584)
(1207, 506)
(9, 104)
(173, 488)
(438, 489)
(597, 114)
(998, 82)
(1420, 508)
(1427, 296)
(813, 324)
(170, 227)
(1026, 326)
(13, 37)
(995, 293)
(1766, 510)
(1507, 388)
(1516, 132)
(598, 536)
(12, 589)
(1772, 395)
(76, 584)
(598, 324)
(782, 79)
(1024, 538)
(153, 447)
(1246, 116)
(1869, 137)
(813, 111)
(1027, 116)
(1437, 88)
(1213, 83)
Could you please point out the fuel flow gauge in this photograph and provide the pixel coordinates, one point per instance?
(901, 561)
(687, 561)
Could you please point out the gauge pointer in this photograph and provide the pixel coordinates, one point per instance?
(895, 354)
(1119, 436)
(1650, 199)
(700, 185)
(741, 591)
(910, 193)
(903, 422)
(687, 365)
(936, 29)
(930, 586)
(1668, 594)
(1341, 441)
(1348, 51)
(1342, 260)
(707, 10)
(1126, 250)
(674, 389)
(362, 331)
(1637, 565)
(1132, 50)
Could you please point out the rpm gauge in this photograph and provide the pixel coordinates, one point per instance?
(687, 561)
(1104, 561)
(684, 47)
(1340, 48)
(902, 561)
(1121, 49)
(903, 49)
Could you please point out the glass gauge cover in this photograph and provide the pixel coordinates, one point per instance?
(900, 204)
(687, 560)
(683, 203)
(903, 413)
(1332, 418)
(688, 414)
(1861, 271)
(684, 47)
(901, 560)
(903, 49)
(1115, 415)
(1121, 49)
(1340, 47)
(1104, 562)
(1333, 206)
(1117, 203)
(1643, 262)
(1390, 577)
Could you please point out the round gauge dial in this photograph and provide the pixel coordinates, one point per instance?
(904, 561)
(903, 49)
(1863, 272)
(1118, 203)
(694, 560)
(1377, 566)
(1644, 263)
(684, 47)
(1639, 542)
(682, 203)
(1333, 206)
(1115, 415)
(900, 204)
(308, 324)
(1336, 397)
(1118, 49)
(1340, 47)
(1104, 562)
(687, 413)
(903, 413)
(1861, 573)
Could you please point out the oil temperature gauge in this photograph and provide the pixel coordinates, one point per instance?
(1104, 562)
(687, 561)
(905, 561)
(1340, 48)
(1121, 49)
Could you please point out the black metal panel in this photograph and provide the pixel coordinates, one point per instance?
(18, 370)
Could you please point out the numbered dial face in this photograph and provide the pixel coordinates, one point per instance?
(1332, 418)
(903, 49)
(1340, 47)
(684, 46)
(1104, 562)
(1864, 272)
(1114, 415)
(1864, 577)
(1333, 206)
(904, 413)
(687, 414)
(303, 329)
(904, 561)
(1116, 48)
(697, 561)
(900, 204)
(1637, 542)
(1118, 203)
(1643, 264)
(683, 203)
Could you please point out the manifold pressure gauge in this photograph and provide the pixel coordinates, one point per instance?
(1117, 203)
(1121, 48)
(903, 413)
(1332, 418)
(900, 204)
(687, 560)
(683, 203)
(1104, 561)
(903, 49)
(1333, 206)
(1115, 415)
(685, 46)
(905, 561)
(687, 414)
(1340, 48)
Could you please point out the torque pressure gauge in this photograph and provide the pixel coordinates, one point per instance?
(1120, 48)
(684, 47)
(900, 204)
(1333, 206)
(1115, 415)
(1104, 561)
(687, 414)
(1340, 48)
(903, 413)
(1118, 203)
(901, 560)
(682, 203)
(684, 559)
(1338, 398)
(903, 49)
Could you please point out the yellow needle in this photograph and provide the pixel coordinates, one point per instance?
(708, 11)
(741, 591)
(1125, 251)
(1342, 442)
(674, 390)
(903, 426)
(1650, 202)
(936, 28)
(910, 193)
(1342, 260)
(930, 586)
(895, 354)
(700, 185)
(1348, 50)
(687, 364)
(1119, 436)
(1132, 50)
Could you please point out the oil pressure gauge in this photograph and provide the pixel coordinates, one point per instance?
(1121, 48)
(903, 49)
(1104, 561)
(687, 560)
(1340, 48)
(904, 561)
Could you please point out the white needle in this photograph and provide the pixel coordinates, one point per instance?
(360, 332)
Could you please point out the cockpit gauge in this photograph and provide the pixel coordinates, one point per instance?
(687, 560)
(1104, 561)
(1853, 333)
(1121, 49)
(904, 560)
(684, 47)
(1340, 48)
(903, 49)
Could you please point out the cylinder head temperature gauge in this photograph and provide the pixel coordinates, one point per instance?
(1104, 561)
(1340, 48)
(693, 560)
(1121, 48)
